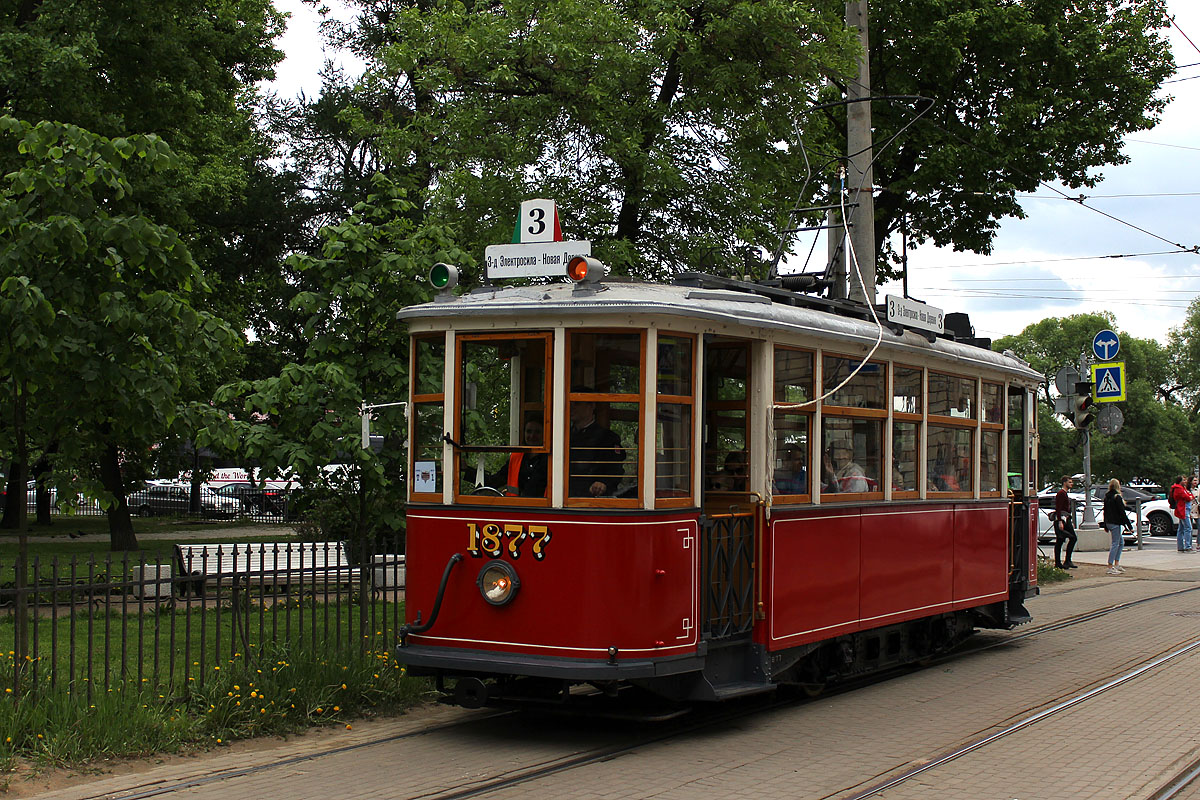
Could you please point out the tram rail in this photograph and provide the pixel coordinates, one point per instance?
(712, 717)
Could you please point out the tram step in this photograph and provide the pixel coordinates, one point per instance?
(728, 691)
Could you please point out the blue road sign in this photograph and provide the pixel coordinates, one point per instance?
(1109, 380)
(1106, 345)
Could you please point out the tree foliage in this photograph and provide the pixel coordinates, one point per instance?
(667, 132)
(1155, 440)
(307, 417)
(1022, 93)
(97, 299)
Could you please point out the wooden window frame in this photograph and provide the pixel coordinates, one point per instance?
(601, 397)
(417, 400)
(810, 415)
(687, 501)
(852, 412)
(1001, 476)
(548, 346)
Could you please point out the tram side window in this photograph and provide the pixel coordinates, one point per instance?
(793, 387)
(1017, 479)
(949, 458)
(502, 420)
(852, 421)
(989, 444)
(906, 439)
(673, 427)
(604, 405)
(727, 384)
(951, 396)
(428, 369)
(908, 385)
(853, 455)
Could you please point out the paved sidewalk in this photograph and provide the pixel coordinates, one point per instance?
(1157, 553)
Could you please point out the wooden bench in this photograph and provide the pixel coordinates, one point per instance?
(275, 564)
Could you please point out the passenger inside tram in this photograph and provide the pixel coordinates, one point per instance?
(733, 476)
(842, 474)
(595, 455)
(792, 478)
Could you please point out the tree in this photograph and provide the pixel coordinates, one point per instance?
(308, 416)
(96, 298)
(1157, 424)
(183, 70)
(667, 133)
(1022, 93)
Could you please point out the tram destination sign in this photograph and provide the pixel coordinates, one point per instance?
(914, 314)
(533, 259)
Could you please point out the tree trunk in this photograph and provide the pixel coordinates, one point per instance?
(41, 470)
(120, 526)
(14, 499)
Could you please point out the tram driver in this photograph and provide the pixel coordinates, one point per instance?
(595, 457)
(524, 474)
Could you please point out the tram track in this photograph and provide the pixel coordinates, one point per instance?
(720, 716)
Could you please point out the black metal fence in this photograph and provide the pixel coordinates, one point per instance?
(171, 620)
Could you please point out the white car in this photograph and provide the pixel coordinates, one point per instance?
(1158, 518)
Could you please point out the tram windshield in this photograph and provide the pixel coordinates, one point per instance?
(503, 421)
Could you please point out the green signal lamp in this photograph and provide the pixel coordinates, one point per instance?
(443, 277)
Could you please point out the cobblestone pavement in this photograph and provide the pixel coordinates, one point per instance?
(1124, 743)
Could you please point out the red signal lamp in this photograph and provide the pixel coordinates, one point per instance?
(585, 269)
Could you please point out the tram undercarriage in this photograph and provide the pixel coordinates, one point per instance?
(728, 670)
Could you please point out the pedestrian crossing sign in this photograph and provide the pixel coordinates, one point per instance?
(1109, 380)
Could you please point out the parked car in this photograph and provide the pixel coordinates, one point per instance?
(1158, 518)
(157, 500)
(264, 501)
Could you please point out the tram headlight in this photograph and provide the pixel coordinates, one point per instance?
(443, 277)
(585, 269)
(498, 582)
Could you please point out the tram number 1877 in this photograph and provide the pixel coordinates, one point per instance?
(489, 539)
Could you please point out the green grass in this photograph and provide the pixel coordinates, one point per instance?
(284, 689)
(1047, 573)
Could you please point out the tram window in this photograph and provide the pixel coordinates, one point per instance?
(1016, 441)
(993, 408)
(867, 389)
(989, 462)
(906, 439)
(427, 449)
(906, 390)
(793, 385)
(430, 367)
(674, 425)
(852, 460)
(428, 375)
(949, 458)
(727, 379)
(951, 396)
(604, 406)
(502, 389)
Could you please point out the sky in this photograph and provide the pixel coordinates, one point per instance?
(1057, 261)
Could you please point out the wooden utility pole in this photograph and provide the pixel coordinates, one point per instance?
(859, 178)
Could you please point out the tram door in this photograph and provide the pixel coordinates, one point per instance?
(732, 513)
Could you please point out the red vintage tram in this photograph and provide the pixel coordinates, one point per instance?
(703, 489)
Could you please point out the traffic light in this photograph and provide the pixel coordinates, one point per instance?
(1084, 410)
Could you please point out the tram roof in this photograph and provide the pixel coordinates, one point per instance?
(536, 305)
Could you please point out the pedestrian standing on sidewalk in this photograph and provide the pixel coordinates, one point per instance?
(1180, 499)
(1195, 504)
(1064, 524)
(1116, 520)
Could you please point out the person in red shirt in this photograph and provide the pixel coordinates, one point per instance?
(1181, 501)
(1064, 524)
